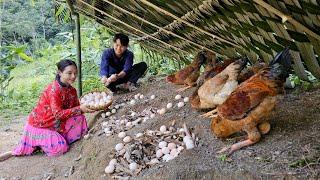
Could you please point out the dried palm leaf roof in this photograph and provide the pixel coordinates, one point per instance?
(254, 28)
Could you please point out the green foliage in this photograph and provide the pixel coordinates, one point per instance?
(29, 55)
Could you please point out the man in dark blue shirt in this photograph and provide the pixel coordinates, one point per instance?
(117, 65)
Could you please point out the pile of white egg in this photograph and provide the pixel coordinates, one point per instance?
(96, 100)
(167, 144)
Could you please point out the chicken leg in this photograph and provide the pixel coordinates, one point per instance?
(253, 137)
(210, 114)
(183, 88)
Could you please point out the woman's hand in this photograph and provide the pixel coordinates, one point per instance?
(85, 109)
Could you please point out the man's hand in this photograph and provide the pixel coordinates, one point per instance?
(104, 79)
(113, 78)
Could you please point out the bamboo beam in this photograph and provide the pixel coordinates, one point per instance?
(147, 43)
(78, 45)
(107, 23)
(160, 28)
(121, 22)
(187, 23)
(285, 18)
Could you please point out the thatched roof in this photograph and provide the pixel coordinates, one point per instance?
(228, 27)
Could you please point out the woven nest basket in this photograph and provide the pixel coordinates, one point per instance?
(97, 99)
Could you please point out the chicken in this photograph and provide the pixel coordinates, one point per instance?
(212, 69)
(250, 71)
(247, 107)
(188, 75)
(216, 90)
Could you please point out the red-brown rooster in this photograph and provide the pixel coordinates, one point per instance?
(253, 100)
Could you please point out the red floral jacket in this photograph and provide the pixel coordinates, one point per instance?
(56, 104)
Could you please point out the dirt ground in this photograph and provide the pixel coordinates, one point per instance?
(290, 151)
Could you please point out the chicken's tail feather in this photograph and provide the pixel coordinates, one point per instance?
(281, 64)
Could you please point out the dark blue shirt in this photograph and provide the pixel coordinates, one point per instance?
(110, 64)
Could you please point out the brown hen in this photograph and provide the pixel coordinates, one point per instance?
(189, 74)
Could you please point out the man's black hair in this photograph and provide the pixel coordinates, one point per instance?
(124, 39)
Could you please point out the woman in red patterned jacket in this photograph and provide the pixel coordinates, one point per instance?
(57, 120)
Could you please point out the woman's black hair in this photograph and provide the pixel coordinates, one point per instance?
(124, 39)
(64, 63)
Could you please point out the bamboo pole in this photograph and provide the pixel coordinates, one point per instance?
(147, 43)
(121, 22)
(187, 23)
(285, 18)
(158, 27)
(78, 44)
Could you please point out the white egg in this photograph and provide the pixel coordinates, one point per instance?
(105, 123)
(186, 99)
(180, 104)
(169, 105)
(162, 144)
(152, 116)
(129, 124)
(178, 96)
(188, 142)
(127, 139)
(136, 96)
(113, 111)
(152, 97)
(145, 119)
(180, 148)
(113, 162)
(122, 134)
(159, 153)
(103, 115)
(141, 96)
(107, 131)
(133, 166)
(139, 135)
(132, 102)
(154, 161)
(109, 169)
(119, 146)
(163, 128)
(171, 146)
(108, 113)
(174, 152)
(121, 152)
(167, 157)
(181, 130)
(117, 106)
(162, 111)
(165, 150)
(86, 136)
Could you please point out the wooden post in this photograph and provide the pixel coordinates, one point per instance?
(78, 44)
